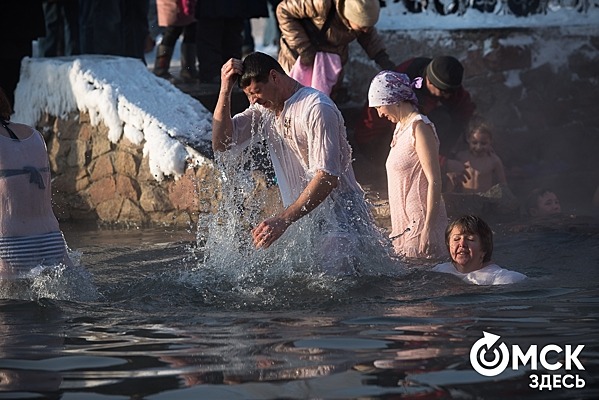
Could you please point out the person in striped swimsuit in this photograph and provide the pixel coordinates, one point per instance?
(30, 236)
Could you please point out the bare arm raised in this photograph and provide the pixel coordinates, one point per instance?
(222, 124)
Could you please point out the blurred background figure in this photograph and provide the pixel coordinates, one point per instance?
(484, 165)
(62, 29)
(17, 42)
(272, 33)
(154, 30)
(177, 17)
(329, 26)
(269, 33)
(220, 26)
(542, 202)
(114, 27)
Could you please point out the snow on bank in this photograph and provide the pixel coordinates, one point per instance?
(172, 126)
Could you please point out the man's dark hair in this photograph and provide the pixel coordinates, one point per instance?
(256, 67)
(473, 225)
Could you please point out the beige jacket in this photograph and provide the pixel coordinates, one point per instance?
(295, 40)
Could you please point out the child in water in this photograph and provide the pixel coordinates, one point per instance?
(484, 166)
(543, 202)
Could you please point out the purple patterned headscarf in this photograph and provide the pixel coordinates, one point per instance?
(389, 87)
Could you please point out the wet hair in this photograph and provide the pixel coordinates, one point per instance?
(473, 225)
(532, 201)
(5, 107)
(257, 67)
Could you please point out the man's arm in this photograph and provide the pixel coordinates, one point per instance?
(222, 124)
(318, 189)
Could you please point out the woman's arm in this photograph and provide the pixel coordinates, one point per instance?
(428, 155)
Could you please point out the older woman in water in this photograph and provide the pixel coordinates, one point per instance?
(469, 241)
(418, 215)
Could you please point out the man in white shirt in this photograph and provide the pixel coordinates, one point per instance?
(311, 156)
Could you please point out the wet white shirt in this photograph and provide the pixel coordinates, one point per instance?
(492, 274)
(309, 135)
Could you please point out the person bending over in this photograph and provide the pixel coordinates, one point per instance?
(306, 138)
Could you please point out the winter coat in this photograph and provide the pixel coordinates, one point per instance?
(175, 12)
(295, 40)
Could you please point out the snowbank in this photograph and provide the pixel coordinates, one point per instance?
(173, 127)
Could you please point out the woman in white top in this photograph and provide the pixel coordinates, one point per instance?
(469, 241)
(29, 231)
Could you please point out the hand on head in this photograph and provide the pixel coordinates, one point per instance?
(230, 72)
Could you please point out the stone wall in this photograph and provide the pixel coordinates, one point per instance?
(96, 180)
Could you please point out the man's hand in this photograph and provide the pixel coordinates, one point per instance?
(268, 231)
(229, 73)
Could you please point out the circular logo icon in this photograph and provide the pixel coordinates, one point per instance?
(485, 364)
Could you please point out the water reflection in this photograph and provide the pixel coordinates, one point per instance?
(30, 334)
(162, 328)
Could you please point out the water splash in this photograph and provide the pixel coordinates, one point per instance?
(57, 282)
(228, 263)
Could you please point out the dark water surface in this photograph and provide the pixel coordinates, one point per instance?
(149, 322)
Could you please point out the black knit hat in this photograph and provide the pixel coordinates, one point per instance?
(445, 72)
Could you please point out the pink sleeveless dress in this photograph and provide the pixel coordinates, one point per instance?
(407, 194)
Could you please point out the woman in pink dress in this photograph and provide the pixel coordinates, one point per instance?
(418, 216)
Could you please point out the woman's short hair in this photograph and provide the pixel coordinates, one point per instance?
(257, 67)
(473, 225)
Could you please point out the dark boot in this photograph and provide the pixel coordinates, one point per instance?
(163, 61)
(189, 72)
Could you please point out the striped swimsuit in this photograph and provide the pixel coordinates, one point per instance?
(23, 253)
(20, 254)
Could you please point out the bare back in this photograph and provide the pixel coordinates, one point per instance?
(25, 192)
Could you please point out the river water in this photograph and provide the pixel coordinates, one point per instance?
(142, 318)
(200, 314)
